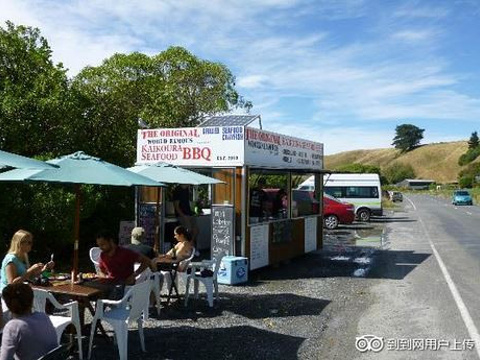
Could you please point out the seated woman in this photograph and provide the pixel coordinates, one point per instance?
(15, 265)
(29, 335)
(181, 251)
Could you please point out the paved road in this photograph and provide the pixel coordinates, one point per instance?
(422, 290)
(429, 283)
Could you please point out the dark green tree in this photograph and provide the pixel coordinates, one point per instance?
(397, 172)
(358, 168)
(171, 89)
(473, 142)
(407, 137)
(34, 97)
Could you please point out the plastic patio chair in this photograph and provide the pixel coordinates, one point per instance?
(95, 257)
(60, 322)
(155, 277)
(206, 273)
(121, 313)
(59, 353)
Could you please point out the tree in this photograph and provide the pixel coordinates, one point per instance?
(171, 89)
(34, 98)
(407, 137)
(397, 172)
(473, 142)
(359, 168)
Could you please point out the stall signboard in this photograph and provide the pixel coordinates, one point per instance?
(265, 148)
(259, 246)
(223, 146)
(202, 146)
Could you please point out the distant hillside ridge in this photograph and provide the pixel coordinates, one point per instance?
(437, 161)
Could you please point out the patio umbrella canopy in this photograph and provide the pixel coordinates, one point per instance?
(170, 174)
(17, 161)
(80, 168)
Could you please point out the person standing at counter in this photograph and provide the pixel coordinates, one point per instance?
(258, 199)
(183, 211)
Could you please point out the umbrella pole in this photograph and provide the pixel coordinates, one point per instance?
(76, 234)
(156, 243)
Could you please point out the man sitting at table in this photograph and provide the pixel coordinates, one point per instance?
(137, 245)
(117, 263)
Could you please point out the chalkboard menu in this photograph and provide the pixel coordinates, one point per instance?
(146, 219)
(281, 231)
(222, 229)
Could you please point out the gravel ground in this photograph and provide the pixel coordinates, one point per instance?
(304, 309)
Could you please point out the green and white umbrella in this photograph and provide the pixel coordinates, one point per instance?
(171, 174)
(79, 168)
(8, 159)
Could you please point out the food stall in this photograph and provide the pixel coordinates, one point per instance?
(257, 212)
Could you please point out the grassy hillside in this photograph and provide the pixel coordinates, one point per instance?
(438, 162)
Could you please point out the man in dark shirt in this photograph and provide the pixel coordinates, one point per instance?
(137, 244)
(183, 211)
(258, 198)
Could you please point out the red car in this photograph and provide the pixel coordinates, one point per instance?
(336, 212)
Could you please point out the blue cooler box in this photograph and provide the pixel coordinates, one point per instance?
(233, 270)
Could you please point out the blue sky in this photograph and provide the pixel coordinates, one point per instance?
(341, 72)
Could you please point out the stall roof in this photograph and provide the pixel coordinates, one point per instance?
(231, 120)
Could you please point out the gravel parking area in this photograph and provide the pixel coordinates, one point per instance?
(299, 310)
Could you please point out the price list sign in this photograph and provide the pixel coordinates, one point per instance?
(222, 229)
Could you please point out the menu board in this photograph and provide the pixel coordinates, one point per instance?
(125, 231)
(310, 234)
(222, 230)
(146, 219)
(258, 246)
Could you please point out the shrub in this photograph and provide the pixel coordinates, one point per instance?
(397, 172)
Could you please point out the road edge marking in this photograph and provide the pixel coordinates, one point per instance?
(467, 319)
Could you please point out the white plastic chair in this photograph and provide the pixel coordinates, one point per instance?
(60, 322)
(95, 257)
(121, 314)
(145, 275)
(209, 281)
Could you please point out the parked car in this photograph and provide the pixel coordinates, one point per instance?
(461, 197)
(396, 196)
(336, 212)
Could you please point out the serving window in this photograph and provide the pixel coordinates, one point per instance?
(268, 195)
(303, 198)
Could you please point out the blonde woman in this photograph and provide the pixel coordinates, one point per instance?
(15, 265)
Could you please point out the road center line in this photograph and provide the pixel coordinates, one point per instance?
(467, 319)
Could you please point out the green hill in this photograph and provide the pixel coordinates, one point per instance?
(437, 162)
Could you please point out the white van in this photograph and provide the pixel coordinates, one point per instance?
(362, 190)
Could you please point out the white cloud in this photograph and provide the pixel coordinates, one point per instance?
(414, 35)
(281, 50)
